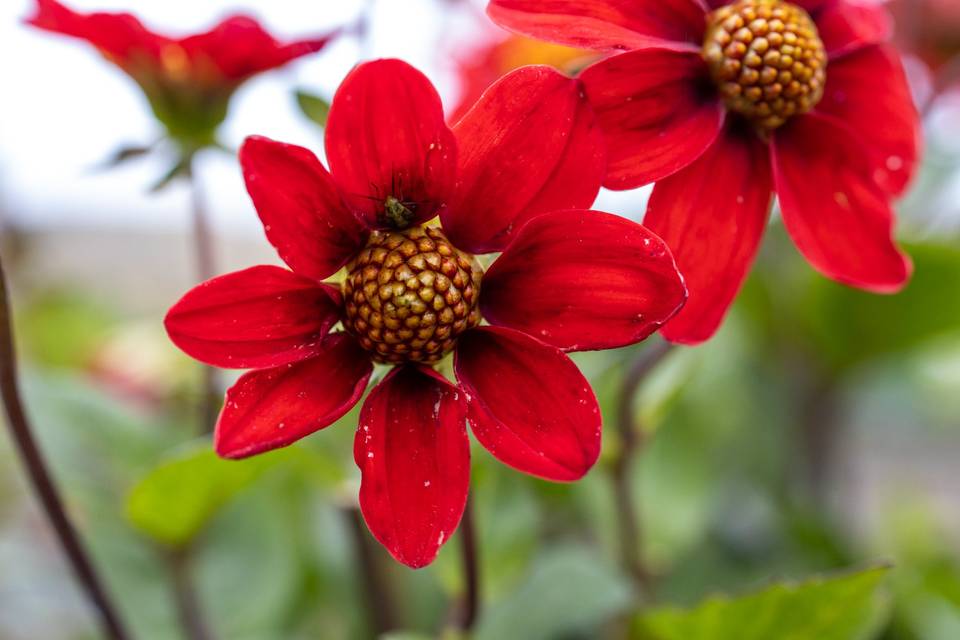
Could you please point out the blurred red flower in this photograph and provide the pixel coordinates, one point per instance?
(500, 53)
(930, 29)
(509, 177)
(722, 106)
(188, 80)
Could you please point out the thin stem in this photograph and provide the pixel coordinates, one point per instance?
(631, 443)
(471, 568)
(372, 578)
(205, 269)
(363, 26)
(41, 480)
(186, 598)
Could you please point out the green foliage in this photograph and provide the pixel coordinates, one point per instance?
(845, 607)
(62, 329)
(176, 500)
(850, 326)
(567, 589)
(316, 108)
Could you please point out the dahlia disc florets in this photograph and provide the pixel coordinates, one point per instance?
(767, 59)
(409, 294)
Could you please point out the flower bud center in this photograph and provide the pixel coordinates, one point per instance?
(767, 59)
(409, 294)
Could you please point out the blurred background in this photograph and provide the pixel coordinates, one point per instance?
(818, 432)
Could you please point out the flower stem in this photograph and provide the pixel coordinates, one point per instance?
(41, 480)
(631, 444)
(372, 578)
(205, 269)
(471, 568)
(185, 597)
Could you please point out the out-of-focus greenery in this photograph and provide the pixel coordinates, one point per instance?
(816, 434)
(840, 608)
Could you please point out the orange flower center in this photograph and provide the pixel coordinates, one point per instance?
(409, 294)
(767, 59)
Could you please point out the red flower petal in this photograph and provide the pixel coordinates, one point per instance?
(414, 455)
(239, 47)
(119, 35)
(868, 90)
(837, 215)
(301, 208)
(604, 24)
(272, 408)
(712, 215)
(530, 145)
(654, 112)
(582, 280)
(528, 403)
(386, 136)
(846, 26)
(810, 5)
(260, 317)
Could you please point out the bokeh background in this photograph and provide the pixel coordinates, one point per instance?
(819, 431)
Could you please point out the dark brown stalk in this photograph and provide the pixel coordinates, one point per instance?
(471, 569)
(185, 596)
(373, 581)
(631, 444)
(42, 482)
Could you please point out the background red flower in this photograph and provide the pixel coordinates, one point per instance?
(188, 80)
(835, 156)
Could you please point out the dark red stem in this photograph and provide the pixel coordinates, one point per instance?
(471, 568)
(373, 580)
(631, 444)
(205, 269)
(41, 480)
(186, 598)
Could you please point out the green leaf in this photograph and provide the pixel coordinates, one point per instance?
(124, 154)
(175, 501)
(313, 106)
(180, 169)
(568, 589)
(63, 328)
(844, 607)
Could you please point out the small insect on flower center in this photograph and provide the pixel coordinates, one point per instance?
(767, 59)
(398, 214)
(409, 294)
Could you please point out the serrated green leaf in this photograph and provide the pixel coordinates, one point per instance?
(313, 106)
(568, 590)
(845, 607)
(175, 501)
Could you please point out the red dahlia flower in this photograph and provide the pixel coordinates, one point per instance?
(504, 179)
(189, 80)
(724, 103)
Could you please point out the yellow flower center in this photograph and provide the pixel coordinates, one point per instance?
(767, 59)
(409, 294)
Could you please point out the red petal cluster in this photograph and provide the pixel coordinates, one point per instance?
(835, 169)
(188, 80)
(514, 176)
(230, 52)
